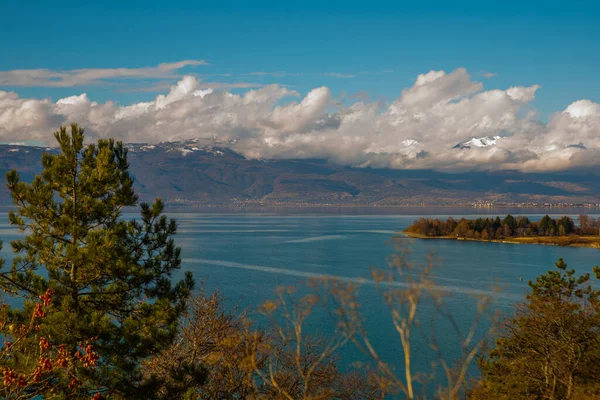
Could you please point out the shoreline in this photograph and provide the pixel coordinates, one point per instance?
(592, 242)
(382, 210)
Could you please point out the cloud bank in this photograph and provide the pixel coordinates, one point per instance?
(419, 129)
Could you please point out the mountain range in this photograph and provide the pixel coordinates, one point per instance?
(199, 173)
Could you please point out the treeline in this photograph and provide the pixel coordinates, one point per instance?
(496, 228)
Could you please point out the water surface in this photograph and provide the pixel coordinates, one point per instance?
(247, 256)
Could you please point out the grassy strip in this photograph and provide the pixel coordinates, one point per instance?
(571, 240)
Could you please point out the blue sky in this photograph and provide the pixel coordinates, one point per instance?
(382, 45)
(386, 84)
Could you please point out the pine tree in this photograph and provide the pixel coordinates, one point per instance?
(551, 348)
(109, 278)
(497, 224)
(547, 226)
(565, 226)
(510, 221)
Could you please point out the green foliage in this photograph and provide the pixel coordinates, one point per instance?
(111, 277)
(497, 223)
(565, 226)
(551, 348)
(510, 221)
(562, 285)
(523, 222)
(547, 226)
(488, 229)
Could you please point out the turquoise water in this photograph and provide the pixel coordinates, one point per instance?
(248, 255)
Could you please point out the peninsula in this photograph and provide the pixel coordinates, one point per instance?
(520, 230)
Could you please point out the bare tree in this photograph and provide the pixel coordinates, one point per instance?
(239, 361)
(405, 288)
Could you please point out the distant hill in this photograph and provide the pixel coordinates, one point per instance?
(195, 173)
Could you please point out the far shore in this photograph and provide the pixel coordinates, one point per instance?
(570, 241)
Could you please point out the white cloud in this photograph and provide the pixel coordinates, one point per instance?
(417, 130)
(487, 74)
(89, 76)
(278, 74)
(583, 109)
(437, 87)
(341, 75)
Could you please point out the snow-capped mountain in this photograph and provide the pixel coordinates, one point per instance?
(186, 147)
(206, 171)
(479, 142)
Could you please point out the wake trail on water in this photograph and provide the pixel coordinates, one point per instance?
(520, 264)
(381, 231)
(314, 275)
(316, 239)
(232, 230)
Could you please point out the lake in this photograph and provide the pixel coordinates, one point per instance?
(247, 256)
